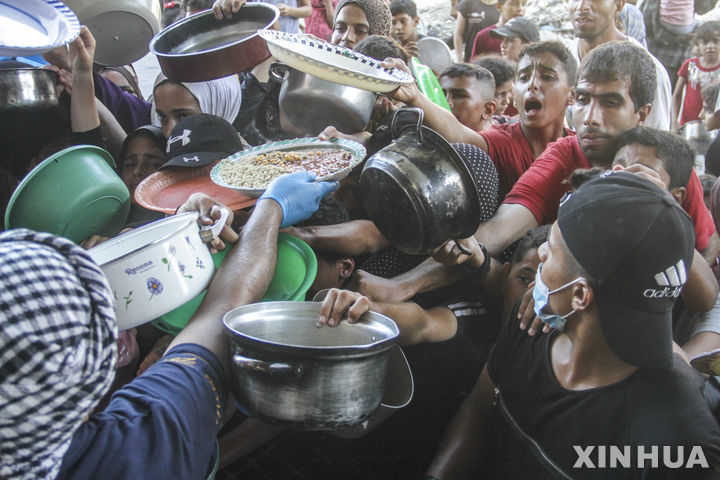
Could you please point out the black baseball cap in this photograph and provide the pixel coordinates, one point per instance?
(637, 243)
(198, 140)
(518, 27)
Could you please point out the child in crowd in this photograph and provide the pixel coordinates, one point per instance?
(712, 123)
(707, 180)
(696, 73)
(514, 35)
(405, 21)
(483, 42)
(320, 20)
(503, 70)
(470, 92)
(473, 16)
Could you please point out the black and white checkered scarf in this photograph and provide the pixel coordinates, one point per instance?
(57, 349)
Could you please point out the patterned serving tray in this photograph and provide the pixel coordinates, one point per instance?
(356, 149)
(333, 62)
(30, 27)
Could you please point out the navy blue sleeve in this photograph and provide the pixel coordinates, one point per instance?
(130, 111)
(163, 424)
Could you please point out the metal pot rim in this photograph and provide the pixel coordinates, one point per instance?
(190, 217)
(245, 339)
(182, 23)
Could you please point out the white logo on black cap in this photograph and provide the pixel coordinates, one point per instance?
(191, 159)
(185, 138)
(672, 278)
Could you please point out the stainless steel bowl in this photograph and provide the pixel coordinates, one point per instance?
(201, 47)
(310, 103)
(25, 89)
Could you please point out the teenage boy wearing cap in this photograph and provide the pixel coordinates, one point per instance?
(606, 378)
(515, 34)
(483, 43)
(199, 140)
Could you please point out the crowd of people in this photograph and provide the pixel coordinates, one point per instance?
(555, 342)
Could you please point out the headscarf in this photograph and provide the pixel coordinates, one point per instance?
(377, 12)
(221, 97)
(57, 349)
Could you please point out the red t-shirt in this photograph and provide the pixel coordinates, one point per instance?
(510, 150)
(540, 188)
(696, 77)
(484, 43)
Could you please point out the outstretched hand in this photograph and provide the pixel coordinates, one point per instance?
(406, 92)
(298, 195)
(226, 8)
(342, 304)
(210, 211)
(82, 51)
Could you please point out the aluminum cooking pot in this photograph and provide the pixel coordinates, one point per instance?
(26, 89)
(310, 103)
(201, 47)
(156, 268)
(289, 371)
(418, 191)
(122, 28)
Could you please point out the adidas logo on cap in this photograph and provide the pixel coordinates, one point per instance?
(672, 278)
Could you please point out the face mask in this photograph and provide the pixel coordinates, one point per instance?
(541, 296)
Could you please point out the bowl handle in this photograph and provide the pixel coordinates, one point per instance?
(279, 71)
(420, 118)
(210, 232)
(262, 366)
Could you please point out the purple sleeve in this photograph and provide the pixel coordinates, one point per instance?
(130, 111)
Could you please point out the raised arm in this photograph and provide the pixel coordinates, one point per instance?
(436, 117)
(460, 26)
(416, 324)
(353, 238)
(248, 268)
(83, 113)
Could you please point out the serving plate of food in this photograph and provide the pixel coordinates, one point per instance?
(250, 171)
(333, 62)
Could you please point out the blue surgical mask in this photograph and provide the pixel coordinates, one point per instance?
(541, 296)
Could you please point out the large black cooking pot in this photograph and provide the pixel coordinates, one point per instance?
(418, 191)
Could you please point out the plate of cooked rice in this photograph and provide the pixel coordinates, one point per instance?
(250, 171)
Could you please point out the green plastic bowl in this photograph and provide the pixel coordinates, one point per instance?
(295, 272)
(74, 193)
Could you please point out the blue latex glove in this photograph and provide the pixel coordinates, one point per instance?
(298, 195)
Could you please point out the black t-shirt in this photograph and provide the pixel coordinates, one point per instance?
(478, 16)
(539, 422)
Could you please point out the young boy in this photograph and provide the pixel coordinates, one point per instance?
(712, 122)
(696, 73)
(470, 91)
(514, 35)
(404, 24)
(503, 71)
(483, 42)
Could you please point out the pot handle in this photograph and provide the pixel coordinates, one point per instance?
(420, 117)
(210, 232)
(262, 366)
(279, 71)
